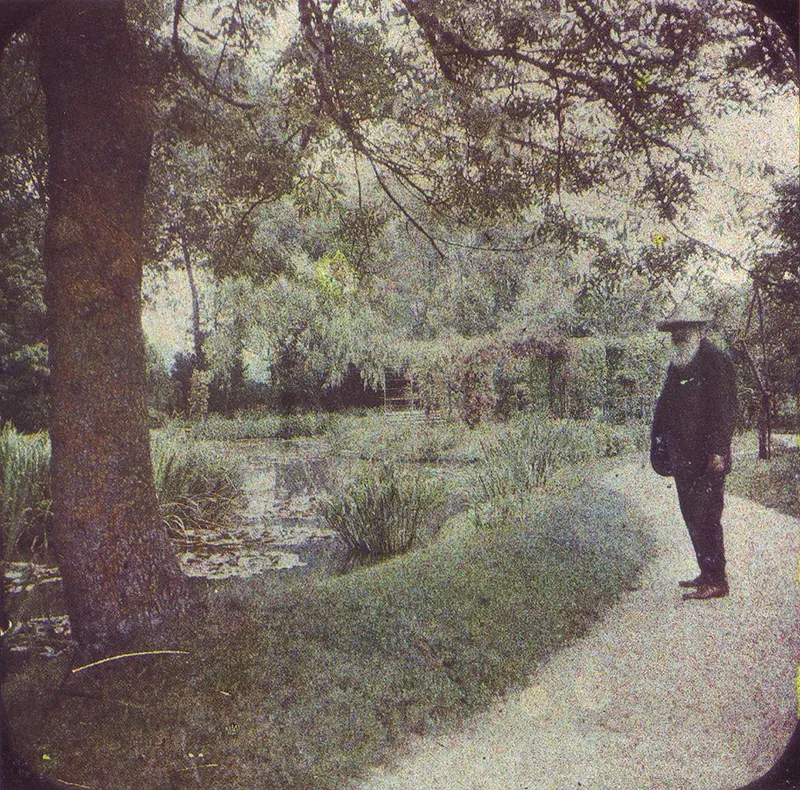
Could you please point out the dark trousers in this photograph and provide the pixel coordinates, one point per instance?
(701, 498)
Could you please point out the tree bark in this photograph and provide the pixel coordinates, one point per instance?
(197, 333)
(765, 428)
(121, 574)
(15, 14)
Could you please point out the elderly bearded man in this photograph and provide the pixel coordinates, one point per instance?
(691, 441)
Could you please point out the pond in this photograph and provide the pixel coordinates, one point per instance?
(276, 530)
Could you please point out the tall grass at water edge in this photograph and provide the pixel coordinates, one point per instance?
(405, 436)
(384, 511)
(412, 437)
(252, 425)
(195, 488)
(24, 489)
(529, 451)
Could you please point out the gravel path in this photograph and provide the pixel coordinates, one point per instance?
(661, 694)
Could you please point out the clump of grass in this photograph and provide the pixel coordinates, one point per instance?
(383, 512)
(431, 442)
(530, 452)
(294, 426)
(614, 440)
(24, 489)
(404, 436)
(243, 425)
(196, 489)
(253, 425)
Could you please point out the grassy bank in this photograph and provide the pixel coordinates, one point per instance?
(304, 685)
(774, 483)
(255, 424)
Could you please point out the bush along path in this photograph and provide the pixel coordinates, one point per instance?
(661, 694)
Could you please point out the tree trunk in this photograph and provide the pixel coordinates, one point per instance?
(121, 574)
(197, 333)
(765, 427)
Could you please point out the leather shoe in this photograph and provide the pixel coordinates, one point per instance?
(698, 581)
(706, 591)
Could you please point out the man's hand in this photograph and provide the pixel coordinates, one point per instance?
(716, 463)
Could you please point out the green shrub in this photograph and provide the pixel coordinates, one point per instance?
(294, 426)
(528, 454)
(195, 488)
(405, 437)
(244, 425)
(431, 364)
(522, 384)
(383, 512)
(24, 489)
(614, 440)
(585, 377)
(636, 366)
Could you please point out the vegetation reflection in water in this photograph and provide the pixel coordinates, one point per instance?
(278, 524)
(275, 527)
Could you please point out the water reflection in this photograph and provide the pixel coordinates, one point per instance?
(278, 528)
(33, 594)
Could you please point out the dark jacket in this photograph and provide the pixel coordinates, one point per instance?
(695, 414)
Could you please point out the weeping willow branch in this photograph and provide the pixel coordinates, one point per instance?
(404, 211)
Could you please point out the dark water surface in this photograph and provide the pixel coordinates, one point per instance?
(276, 529)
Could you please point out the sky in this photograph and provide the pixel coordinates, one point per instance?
(749, 141)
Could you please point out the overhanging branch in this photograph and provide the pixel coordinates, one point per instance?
(189, 67)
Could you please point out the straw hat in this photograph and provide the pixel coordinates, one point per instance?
(683, 315)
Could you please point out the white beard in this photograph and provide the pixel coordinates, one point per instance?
(682, 355)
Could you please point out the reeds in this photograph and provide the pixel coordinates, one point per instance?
(383, 512)
(527, 456)
(24, 490)
(195, 487)
(254, 424)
